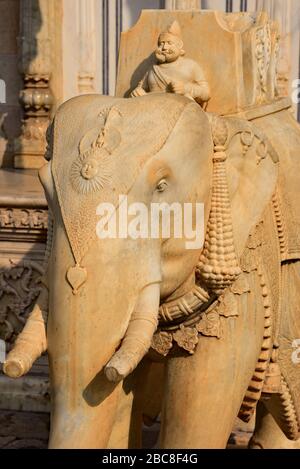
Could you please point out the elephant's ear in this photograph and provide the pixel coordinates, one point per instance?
(244, 179)
(252, 172)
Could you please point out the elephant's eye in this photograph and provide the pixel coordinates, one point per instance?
(162, 185)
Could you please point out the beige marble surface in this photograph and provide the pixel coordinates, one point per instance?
(21, 188)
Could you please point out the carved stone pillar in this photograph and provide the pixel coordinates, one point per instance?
(265, 5)
(86, 36)
(283, 13)
(37, 58)
(182, 4)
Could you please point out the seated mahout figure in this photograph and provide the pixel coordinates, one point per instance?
(173, 72)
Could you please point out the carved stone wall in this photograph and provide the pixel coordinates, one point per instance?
(10, 116)
(19, 288)
(22, 236)
(23, 232)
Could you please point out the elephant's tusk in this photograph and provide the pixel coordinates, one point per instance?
(137, 340)
(31, 343)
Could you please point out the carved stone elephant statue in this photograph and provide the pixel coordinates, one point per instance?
(219, 318)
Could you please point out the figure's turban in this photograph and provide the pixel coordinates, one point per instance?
(173, 32)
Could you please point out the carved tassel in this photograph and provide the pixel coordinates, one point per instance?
(218, 265)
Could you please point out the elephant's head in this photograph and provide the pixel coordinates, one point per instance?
(147, 150)
(105, 292)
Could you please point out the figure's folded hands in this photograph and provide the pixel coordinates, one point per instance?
(139, 91)
(177, 87)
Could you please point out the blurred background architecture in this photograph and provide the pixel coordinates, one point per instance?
(50, 51)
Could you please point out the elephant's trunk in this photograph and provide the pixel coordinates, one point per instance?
(137, 340)
(31, 343)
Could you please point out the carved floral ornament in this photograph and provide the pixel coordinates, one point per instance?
(20, 285)
(208, 323)
(263, 60)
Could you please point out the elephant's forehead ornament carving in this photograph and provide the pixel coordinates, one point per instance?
(104, 158)
(93, 170)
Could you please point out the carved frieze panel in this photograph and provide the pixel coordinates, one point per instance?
(19, 288)
(15, 223)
